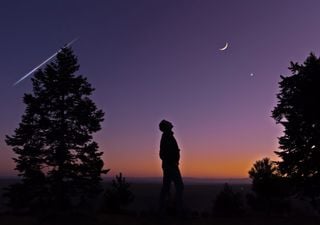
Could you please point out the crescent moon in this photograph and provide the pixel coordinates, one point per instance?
(225, 47)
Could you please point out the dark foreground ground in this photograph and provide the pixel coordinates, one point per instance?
(198, 201)
(197, 195)
(156, 220)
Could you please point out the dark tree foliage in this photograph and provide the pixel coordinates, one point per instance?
(228, 203)
(299, 112)
(57, 158)
(118, 196)
(270, 188)
(266, 180)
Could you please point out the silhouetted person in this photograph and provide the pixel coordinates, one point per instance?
(170, 155)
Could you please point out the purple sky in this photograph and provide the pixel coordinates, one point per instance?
(156, 59)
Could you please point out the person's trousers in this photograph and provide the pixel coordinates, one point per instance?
(171, 173)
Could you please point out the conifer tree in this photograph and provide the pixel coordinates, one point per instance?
(298, 112)
(57, 158)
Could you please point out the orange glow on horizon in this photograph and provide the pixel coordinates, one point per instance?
(190, 166)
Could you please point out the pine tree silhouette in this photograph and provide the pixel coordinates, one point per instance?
(298, 112)
(56, 155)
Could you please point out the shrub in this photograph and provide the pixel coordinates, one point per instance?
(118, 196)
(228, 203)
(271, 190)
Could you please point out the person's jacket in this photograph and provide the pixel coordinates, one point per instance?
(169, 150)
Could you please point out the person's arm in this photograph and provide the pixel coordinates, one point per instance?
(162, 148)
(175, 150)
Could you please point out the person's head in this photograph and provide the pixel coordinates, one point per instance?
(165, 126)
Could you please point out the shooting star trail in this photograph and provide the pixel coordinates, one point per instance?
(44, 62)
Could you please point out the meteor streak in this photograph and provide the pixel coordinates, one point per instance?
(44, 62)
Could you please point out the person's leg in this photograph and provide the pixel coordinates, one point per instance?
(179, 186)
(165, 190)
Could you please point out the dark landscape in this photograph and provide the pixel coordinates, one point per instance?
(198, 200)
(160, 112)
(199, 193)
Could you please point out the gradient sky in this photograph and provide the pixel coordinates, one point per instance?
(158, 59)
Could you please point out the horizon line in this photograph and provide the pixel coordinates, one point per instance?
(159, 178)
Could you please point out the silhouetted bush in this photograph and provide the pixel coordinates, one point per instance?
(228, 203)
(270, 206)
(271, 191)
(118, 196)
(26, 197)
(18, 197)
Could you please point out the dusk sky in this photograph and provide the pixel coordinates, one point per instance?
(159, 59)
